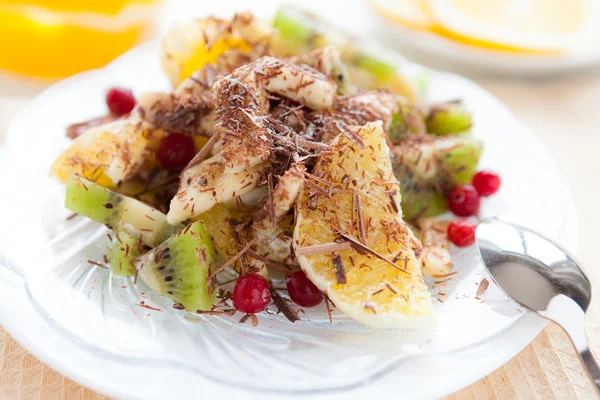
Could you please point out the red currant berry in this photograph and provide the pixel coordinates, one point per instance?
(176, 151)
(487, 183)
(463, 200)
(302, 291)
(120, 101)
(251, 294)
(462, 233)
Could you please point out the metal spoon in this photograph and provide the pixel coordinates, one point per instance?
(541, 276)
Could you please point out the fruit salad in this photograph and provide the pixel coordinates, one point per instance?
(284, 147)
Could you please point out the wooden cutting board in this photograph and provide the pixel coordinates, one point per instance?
(548, 368)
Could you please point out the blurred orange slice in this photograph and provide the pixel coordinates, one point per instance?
(112, 7)
(411, 13)
(57, 38)
(546, 26)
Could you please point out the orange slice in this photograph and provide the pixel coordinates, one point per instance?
(57, 39)
(411, 13)
(358, 200)
(107, 154)
(543, 26)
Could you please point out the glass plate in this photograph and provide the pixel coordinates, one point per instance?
(99, 314)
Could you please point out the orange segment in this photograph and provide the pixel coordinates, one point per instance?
(106, 154)
(361, 189)
(219, 222)
(202, 56)
(185, 46)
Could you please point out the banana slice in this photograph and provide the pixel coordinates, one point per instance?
(206, 184)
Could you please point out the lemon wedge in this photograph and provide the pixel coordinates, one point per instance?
(350, 239)
(411, 13)
(540, 26)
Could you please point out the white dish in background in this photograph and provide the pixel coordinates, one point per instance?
(449, 55)
(79, 320)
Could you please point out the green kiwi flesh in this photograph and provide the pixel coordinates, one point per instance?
(428, 167)
(117, 211)
(181, 268)
(121, 251)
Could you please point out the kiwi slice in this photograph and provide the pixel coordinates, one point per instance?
(460, 158)
(421, 199)
(428, 167)
(372, 63)
(448, 119)
(305, 31)
(181, 268)
(117, 211)
(121, 251)
(301, 31)
(295, 26)
(407, 120)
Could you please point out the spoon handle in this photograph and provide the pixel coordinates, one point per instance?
(591, 365)
(569, 315)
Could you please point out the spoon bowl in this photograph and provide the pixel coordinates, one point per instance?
(541, 276)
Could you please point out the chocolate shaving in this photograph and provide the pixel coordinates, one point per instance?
(310, 145)
(316, 178)
(350, 134)
(141, 304)
(97, 264)
(362, 248)
(204, 151)
(361, 221)
(229, 312)
(265, 260)
(271, 201)
(391, 288)
(340, 272)
(233, 259)
(438, 276)
(368, 306)
(392, 201)
(323, 248)
(76, 130)
(398, 257)
(244, 318)
(70, 217)
(328, 308)
(483, 285)
(283, 306)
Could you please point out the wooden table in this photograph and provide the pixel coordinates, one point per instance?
(565, 115)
